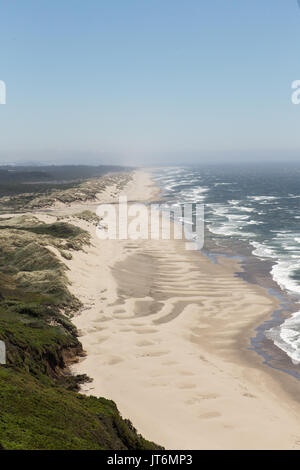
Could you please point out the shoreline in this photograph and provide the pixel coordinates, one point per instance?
(256, 271)
(184, 383)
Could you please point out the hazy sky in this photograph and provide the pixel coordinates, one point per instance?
(149, 81)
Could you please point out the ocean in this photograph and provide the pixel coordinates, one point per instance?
(252, 212)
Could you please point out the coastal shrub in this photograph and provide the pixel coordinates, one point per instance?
(37, 416)
(88, 216)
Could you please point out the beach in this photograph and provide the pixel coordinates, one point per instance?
(166, 334)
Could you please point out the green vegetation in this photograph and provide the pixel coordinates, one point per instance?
(88, 216)
(32, 188)
(37, 416)
(57, 230)
(40, 405)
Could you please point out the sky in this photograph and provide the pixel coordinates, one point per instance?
(149, 81)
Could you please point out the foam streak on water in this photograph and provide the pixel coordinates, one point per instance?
(287, 337)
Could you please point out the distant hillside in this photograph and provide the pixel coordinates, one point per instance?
(23, 191)
(23, 179)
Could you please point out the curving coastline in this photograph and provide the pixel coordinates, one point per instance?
(167, 336)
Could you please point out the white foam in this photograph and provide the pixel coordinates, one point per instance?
(238, 217)
(254, 222)
(230, 230)
(287, 337)
(262, 251)
(246, 209)
(282, 272)
(223, 230)
(262, 198)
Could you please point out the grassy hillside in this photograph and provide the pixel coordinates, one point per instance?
(40, 405)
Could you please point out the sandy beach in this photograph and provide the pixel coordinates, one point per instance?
(167, 334)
